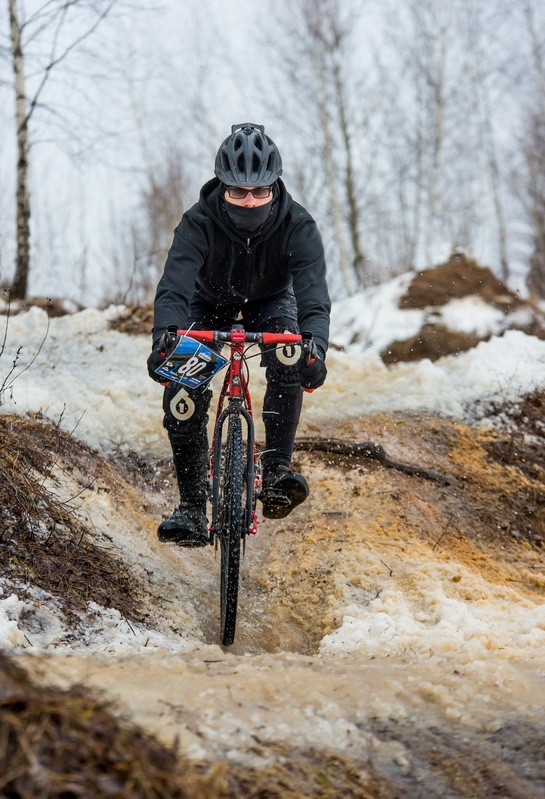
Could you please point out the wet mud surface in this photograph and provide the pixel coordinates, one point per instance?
(392, 621)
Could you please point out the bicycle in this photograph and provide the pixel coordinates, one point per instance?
(235, 480)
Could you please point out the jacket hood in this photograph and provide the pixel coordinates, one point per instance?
(211, 200)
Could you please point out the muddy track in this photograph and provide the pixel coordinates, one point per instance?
(393, 620)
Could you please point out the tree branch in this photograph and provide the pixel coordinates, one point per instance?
(367, 449)
(56, 60)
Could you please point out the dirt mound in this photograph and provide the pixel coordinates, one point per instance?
(459, 277)
(433, 342)
(488, 512)
(43, 542)
(521, 447)
(135, 320)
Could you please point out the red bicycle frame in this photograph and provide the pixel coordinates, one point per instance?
(235, 391)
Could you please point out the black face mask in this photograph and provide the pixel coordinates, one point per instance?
(248, 219)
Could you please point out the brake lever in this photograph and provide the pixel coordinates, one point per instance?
(307, 346)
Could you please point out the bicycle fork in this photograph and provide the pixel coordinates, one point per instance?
(239, 402)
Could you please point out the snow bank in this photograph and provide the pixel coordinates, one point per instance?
(468, 629)
(38, 622)
(95, 378)
(502, 369)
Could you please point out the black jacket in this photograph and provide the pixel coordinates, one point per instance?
(210, 256)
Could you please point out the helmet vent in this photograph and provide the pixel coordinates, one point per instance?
(248, 157)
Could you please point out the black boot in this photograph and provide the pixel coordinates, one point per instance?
(187, 527)
(283, 490)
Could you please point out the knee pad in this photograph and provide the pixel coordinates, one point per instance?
(185, 409)
(283, 362)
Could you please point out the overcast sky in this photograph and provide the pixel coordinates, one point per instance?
(179, 74)
(146, 66)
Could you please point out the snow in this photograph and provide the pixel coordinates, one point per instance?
(38, 622)
(88, 375)
(468, 618)
(372, 319)
(94, 378)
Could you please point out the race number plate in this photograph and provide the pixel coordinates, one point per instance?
(191, 363)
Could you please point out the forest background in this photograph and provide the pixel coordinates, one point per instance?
(409, 128)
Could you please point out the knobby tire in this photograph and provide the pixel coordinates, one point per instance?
(230, 520)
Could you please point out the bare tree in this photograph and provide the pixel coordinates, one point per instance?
(163, 200)
(50, 26)
(531, 185)
(533, 199)
(537, 53)
(315, 68)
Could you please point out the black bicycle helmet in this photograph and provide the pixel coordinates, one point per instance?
(248, 157)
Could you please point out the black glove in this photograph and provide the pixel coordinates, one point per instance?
(160, 350)
(313, 375)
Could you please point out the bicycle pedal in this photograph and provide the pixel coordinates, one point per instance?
(275, 497)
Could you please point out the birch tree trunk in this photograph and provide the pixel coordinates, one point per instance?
(22, 263)
(330, 170)
(358, 258)
(536, 51)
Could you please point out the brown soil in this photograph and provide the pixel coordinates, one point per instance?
(488, 516)
(508, 763)
(43, 541)
(433, 342)
(459, 277)
(135, 320)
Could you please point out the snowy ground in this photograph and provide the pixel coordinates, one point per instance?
(434, 618)
(94, 378)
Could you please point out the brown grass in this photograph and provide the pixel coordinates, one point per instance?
(42, 540)
(56, 743)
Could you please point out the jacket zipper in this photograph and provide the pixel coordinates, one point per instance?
(248, 271)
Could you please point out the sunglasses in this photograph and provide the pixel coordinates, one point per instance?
(260, 192)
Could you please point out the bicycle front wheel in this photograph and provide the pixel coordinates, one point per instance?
(230, 518)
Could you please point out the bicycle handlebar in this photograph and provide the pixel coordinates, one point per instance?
(235, 336)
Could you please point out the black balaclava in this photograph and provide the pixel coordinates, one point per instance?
(248, 219)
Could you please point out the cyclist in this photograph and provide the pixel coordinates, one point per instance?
(245, 251)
